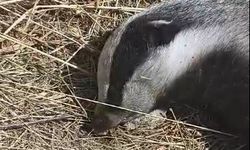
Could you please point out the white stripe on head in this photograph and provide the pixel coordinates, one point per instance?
(105, 61)
(106, 57)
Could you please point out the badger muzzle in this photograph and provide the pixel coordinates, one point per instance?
(106, 118)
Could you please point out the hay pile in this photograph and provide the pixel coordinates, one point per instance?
(48, 55)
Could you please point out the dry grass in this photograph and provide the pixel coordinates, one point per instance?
(48, 55)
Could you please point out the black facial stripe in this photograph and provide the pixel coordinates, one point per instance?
(138, 41)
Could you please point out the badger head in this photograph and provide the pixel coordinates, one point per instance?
(125, 51)
(149, 54)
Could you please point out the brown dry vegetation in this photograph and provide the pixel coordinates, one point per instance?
(48, 55)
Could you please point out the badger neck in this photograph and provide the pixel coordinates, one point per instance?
(179, 67)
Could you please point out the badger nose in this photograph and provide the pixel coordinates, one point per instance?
(101, 123)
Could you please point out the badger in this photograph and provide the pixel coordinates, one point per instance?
(193, 52)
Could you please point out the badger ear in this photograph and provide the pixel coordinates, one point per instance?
(159, 23)
(160, 32)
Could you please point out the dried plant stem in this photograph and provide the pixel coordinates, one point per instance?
(10, 2)
(126, 9)
(16, 126)
(45, 54)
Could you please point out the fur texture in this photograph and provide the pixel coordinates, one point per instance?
(191, 51)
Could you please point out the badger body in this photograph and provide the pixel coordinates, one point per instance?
(194, 52)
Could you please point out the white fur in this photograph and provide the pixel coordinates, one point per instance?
(158, 23)
(162, 68)
(105, 59)
(171, 61)
(104, 64)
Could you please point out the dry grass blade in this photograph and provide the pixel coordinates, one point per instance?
(17, 22)
(126, 9)
(17, 126)
(45, 54)
(9, 2)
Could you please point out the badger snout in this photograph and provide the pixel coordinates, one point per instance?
(104, 122)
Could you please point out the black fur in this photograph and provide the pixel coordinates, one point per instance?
(138, 41)
(221, 83)
(219, 80)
